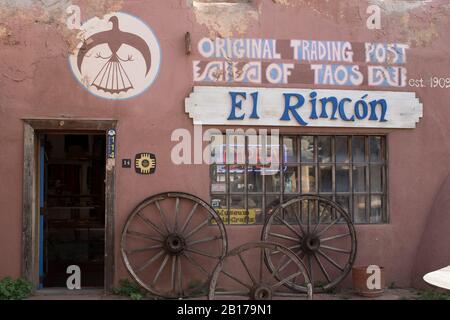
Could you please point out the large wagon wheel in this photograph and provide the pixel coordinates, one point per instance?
(244, 274)
(320, 232)
(171, 243)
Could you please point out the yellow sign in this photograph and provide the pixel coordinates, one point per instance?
(237, 216)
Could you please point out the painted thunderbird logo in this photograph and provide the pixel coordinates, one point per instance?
(118, 58)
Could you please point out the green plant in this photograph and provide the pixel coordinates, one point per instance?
(197, 288)
(392, 285)
(15, 289)
(433, 295)
(129, 289)
(321, 284)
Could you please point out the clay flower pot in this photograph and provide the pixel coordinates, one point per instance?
(363, 285)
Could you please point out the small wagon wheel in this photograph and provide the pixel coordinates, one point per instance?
(320, 232)
(244, 274)
(171, 243)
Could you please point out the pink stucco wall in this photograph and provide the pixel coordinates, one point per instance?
(36, 81)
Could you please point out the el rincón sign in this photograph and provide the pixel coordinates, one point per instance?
(246, 106)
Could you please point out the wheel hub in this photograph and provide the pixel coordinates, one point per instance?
(261, 292)
(311, 244)
(175, 244)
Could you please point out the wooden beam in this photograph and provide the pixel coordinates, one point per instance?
(28, 206)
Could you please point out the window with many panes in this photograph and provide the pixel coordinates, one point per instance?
(350, 170)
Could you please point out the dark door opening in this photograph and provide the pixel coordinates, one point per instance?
(72, 199)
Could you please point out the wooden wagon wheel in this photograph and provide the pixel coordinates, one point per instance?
(244, 274)
(320, 232)
(171, 243)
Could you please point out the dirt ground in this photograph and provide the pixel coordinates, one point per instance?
(58, 294)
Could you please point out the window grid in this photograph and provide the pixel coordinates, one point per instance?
(367, 164)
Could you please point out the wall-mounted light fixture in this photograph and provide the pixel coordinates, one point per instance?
(188, 43)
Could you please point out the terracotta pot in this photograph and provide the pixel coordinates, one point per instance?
(360, 277)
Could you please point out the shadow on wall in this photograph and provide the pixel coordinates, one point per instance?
(434, 249)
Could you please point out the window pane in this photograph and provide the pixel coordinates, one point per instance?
(272, 202)
(290, 180)
(273, 181)
(325, 176)
(327, 214)
(254, 209)
(376, 205)
(237, 178)
(342, 149)
(308, 179)
(219, 203)
(218, 179)
(237, 212)
(375, 149)
(358, 149)
(309, 207)
(292, 213)
(290, 149)
(344, 202)
(342, 178)
(237, 202)
(359, 209)
(376, 179)
(359, 178)
(254, 179)
(324, 148)
(307, 149)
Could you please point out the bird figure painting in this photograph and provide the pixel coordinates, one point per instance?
(112, 77)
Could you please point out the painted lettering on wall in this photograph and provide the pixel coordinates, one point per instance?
(278, 62)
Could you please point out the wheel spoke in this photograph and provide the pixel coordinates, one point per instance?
(177, 214)
(205, 254)
(289, 227)
(196, 229)
(311, 272)
(150, 224)
(338, 236)
(174, 273)
(247, 269)
(282, 236)
(320, 218)
(291, 248)
(142, 235)
(330, 260)
(292, 276)
(281, 267)
(158, 246)
(161, 268)
(322, 268)
(335, 249)
(188, 219)
(204, 240)
(163, 216)
(261, 262)
(309, 218)
(236, 279)
(180, 279)
(195, 263)
(150, 261)
(299, 224)
(328, 227)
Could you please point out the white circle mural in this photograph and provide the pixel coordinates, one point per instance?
(118, 56)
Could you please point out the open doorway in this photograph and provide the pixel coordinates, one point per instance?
(72, 207)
